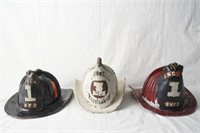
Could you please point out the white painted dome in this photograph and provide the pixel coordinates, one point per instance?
(99, 85)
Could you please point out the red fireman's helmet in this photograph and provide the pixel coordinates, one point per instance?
(164, 93)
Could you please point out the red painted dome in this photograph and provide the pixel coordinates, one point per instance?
(149, 87)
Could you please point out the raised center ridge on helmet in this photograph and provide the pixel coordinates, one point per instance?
(100, 85)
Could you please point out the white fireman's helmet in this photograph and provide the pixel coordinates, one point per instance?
(100, 91)
(100, 85)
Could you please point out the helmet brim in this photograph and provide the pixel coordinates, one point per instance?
(12, 107)
(189, 107)
(113, 106)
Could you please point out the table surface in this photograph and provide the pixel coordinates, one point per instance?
(129, 117)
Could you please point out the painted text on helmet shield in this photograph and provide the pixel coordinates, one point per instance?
(31, 101)
(170, 93)
(173, 93)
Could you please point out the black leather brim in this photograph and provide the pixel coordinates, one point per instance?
(12, 107)
(189, 108)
